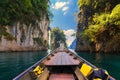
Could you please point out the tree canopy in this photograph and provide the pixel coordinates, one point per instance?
(106, 24)
(58, 36)
(24, 11)
(103, 21)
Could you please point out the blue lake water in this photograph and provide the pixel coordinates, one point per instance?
(13, 63)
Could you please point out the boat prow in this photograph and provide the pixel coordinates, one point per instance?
(63, 65)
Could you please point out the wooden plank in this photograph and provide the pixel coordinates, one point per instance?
(26, 77)
(61, 76)
(44, 75)
(62, 58)
(48, 62)
(79, 74)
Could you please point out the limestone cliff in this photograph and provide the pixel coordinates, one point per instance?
(84, 16)
(26, 37)
(98, 26)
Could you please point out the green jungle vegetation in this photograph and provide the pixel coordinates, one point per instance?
(23, 11)
(57, 36)
(102, 22)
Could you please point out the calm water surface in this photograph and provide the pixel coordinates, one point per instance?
(110, 62)
(13, 63)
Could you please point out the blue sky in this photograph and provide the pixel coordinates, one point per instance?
(64, 12)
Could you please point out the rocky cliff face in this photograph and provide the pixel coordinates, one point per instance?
(83, 17)
(98, 26)
(26, 37)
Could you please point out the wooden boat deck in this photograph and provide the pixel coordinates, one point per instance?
(61, 76)
(61, 59)
(58, 65)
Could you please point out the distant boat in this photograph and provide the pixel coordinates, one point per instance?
(63, 64)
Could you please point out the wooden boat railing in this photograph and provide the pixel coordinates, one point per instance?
(93, 66)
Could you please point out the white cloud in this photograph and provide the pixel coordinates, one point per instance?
(68, 34)
(59, 5)
(65, 8)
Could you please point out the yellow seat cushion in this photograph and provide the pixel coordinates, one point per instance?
(38, 70)
(85, 69)
(97, 79)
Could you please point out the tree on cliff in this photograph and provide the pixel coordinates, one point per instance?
(102, 23)
(57, 36)
(23, 11)
(24, 24)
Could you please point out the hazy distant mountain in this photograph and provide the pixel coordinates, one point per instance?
(73, 45)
